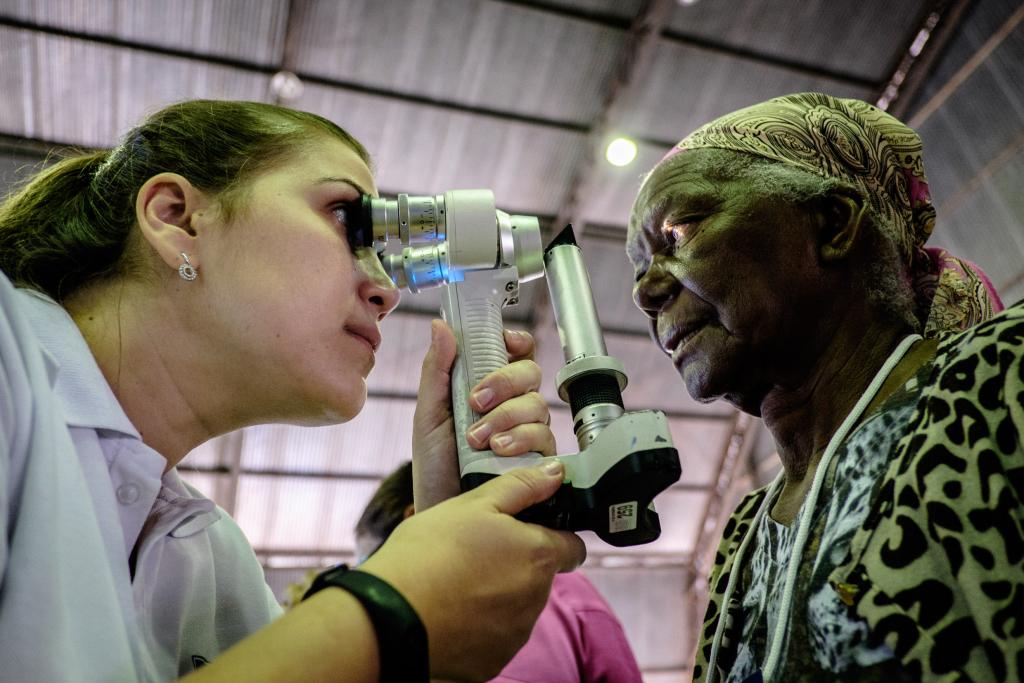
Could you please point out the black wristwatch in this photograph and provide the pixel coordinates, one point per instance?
(401, 638)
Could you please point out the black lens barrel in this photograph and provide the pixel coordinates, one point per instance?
(591, 389)
(359, 223)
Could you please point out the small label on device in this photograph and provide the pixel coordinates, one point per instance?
(622, 517)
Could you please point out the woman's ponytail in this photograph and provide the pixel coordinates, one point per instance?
(52, 238)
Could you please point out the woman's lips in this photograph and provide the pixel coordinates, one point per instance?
(370, 337)
(678, 343)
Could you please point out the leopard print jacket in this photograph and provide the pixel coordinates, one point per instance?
(937, 568)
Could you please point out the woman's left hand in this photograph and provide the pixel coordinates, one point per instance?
(514, 417)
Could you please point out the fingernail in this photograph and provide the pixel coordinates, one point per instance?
(503, 441)
(483, 398)
(433, 333)
(552, 467)
(480, 432)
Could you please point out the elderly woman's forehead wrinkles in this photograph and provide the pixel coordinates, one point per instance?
(684, 192)
(652, 213)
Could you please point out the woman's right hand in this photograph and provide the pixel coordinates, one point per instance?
(477, 577)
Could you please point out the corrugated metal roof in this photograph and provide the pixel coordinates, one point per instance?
(250, 31)
(858, 38)
(489, 54)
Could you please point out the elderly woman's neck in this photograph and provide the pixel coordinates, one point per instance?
(803, 417)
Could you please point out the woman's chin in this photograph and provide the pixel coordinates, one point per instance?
(706, 387)
(345, 409)
(334, 409)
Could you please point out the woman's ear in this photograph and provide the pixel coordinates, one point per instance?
(165, 209)
(842, 219)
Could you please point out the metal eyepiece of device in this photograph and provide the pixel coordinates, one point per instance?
(410, 220)
(432, 254)
(418, 268)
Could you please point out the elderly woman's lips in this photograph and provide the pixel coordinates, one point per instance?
(678, 351)
(680, 336)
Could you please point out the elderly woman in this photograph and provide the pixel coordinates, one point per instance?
(779, 256)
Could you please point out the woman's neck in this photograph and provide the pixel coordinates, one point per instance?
(804, 417)
(138, 343)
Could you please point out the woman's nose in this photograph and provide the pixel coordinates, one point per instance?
(654, 289)
(378, 288)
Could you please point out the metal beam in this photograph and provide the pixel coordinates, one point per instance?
(277, 473)
(917, 60)
(621, 22)
(633, 65)
(993, 166)
(606, 559)
(298, 11)
(793, 65)
(295, 14)
(736, 450)
(976, 60)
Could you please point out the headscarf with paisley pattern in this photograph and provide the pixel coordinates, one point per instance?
(856, 142)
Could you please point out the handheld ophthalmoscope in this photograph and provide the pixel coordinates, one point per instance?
(480, 255)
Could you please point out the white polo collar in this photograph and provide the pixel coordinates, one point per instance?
(77, 381)
(88, 401)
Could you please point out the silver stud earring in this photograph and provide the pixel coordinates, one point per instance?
(186, 270)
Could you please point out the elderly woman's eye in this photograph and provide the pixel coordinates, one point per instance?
(676, 231)
(341, 213)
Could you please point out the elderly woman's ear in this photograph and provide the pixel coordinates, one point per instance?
(842, 217)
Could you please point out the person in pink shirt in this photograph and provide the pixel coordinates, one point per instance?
(577, 638)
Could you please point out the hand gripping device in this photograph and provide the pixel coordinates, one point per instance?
(480, 256)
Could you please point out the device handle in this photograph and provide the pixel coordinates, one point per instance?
(472, 308)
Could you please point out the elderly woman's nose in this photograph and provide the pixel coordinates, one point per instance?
(652, 291)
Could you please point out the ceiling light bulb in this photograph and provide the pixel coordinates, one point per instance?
(286, 86)
(620, 152)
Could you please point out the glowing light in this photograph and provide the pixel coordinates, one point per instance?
(286, 85)
(620, 152)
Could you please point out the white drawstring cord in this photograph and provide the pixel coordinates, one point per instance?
(782, 622)
(730, 587)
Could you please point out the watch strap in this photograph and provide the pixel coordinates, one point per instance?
(401, 637)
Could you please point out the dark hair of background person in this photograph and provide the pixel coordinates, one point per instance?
(73, 222)
(386, 509)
